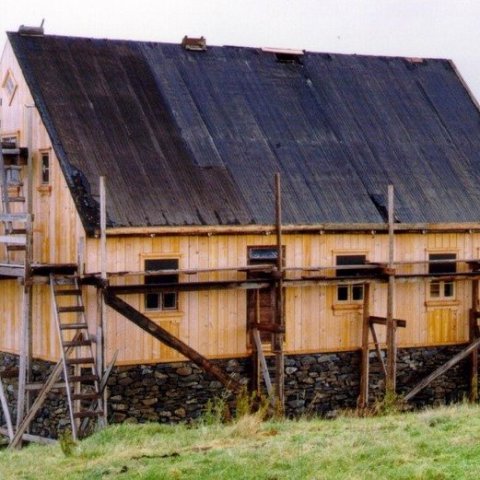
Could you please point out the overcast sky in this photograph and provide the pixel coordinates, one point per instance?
(420, 28)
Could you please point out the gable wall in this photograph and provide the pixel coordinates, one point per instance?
(57, 227)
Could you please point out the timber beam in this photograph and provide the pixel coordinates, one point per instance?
(383, 321)
(170, 340)
(189, 286)
(443, 368)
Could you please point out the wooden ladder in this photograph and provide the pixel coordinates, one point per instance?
(83, 389)
(15, 238)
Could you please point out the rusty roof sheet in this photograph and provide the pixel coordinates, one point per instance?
(194, 138)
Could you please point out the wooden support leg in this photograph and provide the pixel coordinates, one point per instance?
(256, 367)
(473, 336)
(6, 411)
(377, 349)
(363, 397)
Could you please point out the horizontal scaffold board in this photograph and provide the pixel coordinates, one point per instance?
(13, 239)
(11, 271)
(14, 217)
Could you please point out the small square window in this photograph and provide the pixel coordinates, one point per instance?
(166, 300)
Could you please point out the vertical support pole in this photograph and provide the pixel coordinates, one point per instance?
(101, 353)
(255, 318)
(6, 411)
(391, 325)
(365, 365)
(473, 337)
(25, 363)
(279, 315)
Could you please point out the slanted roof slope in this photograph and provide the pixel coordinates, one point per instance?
(194, 138)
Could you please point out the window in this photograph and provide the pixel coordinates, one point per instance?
(350, 293)
(10, 86)
(442, 288)
(45, 168)
(166, 300)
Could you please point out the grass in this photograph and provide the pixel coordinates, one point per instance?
(434, 444)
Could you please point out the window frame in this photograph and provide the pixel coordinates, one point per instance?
(350, 291)
(160, 307)
(45, 182)
(10, 92)
(446, 288)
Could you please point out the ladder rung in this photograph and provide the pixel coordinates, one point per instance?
(13, 167)
(64, 280)
(74, 308)
(70, 291)
(73, 326)
(88, 413)
(77, 343)
(16, 199)
(16, 248)
(80, 361)
(83, 378)
(18, 231)
(85, 396)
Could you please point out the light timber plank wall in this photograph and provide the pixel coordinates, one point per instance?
(215, 322)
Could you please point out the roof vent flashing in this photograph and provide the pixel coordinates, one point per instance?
(194, 44)
(32, 31)
(286, 55)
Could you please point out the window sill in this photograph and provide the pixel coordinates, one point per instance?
(442, 302)
(342, 307)
(164, 315)
(44, 189)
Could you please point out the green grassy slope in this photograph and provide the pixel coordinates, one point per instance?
(435, 444)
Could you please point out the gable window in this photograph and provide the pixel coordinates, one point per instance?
(443, 264)
(10, 86)
(350, 293)
(45, 168)
(166, 300)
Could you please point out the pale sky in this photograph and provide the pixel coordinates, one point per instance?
(412, 28)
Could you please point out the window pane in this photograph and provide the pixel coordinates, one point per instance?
(268, 253)
(45, 169)
(357, 292)
(169, 301)
(449, 267)
(435, 289)
(342, 293)
(350, 260)
(448, 289)
(152, 301)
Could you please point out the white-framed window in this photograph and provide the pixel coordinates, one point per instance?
(166, 300)
(350, 293)
(44, 168)
(9, 84)
(442, 263)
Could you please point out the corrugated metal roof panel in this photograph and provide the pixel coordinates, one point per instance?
(190, 138)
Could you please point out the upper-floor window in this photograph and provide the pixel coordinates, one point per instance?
(352, 292)
(10, 86)
(166, 300)
(442, 263)
(45, 168)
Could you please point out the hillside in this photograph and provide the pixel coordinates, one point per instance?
(435, 444)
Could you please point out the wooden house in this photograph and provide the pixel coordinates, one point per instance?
(196, 240)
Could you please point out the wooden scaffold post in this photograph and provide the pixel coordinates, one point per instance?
(391, 324)
(279, 313)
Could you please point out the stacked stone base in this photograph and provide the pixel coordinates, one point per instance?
(318, 384)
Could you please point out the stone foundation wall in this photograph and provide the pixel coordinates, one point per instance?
(314, 384)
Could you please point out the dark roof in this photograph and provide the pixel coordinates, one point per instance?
(194, 138)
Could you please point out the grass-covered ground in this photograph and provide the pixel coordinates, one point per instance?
(434, 444)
